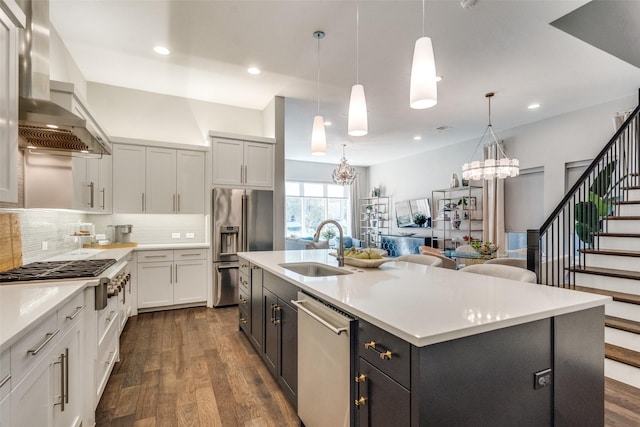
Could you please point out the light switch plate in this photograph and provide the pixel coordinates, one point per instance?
(45, 246)
(175, 235)
(190, 235)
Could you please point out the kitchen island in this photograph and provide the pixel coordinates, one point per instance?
(466, 349)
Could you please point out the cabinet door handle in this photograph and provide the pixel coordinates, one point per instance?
(73, 316)
(176, 274)
(91, 186)
(361, 401)
(142, 202)
(361, 378)
(103, 203)
(62, 382)
(276, 309)
(171, 273)
(241, 175)
(173, 209)
(66, 375)
(245, 174)
(111, 313)
(48, 337)
(5, 380)
(178, 202)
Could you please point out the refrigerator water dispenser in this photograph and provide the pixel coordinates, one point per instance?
(229, 240)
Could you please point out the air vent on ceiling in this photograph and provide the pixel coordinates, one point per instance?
(442, 128)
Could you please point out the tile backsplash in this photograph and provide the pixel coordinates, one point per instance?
(41, 225)
(50, 226)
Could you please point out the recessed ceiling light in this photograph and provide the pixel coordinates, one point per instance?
(254, 70)
(438, 78)
(327, 123)
(417, 138)
(161, 50)
(533, 106)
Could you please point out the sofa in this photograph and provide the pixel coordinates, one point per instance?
(302, 243)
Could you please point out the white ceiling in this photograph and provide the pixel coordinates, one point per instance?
(503, 46)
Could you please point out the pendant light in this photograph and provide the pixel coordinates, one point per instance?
(318, 135)
(358, 125)
(423, 91)
(499, 167)
(344, 173)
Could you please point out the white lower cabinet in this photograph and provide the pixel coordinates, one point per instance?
(171, 277)
(5, 411)
(48, 365)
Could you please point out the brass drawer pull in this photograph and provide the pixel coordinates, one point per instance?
(384, 355)
(361, 378)
(361, 401)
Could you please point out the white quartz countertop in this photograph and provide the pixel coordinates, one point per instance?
(426, 305)
(22, 306)
(147, 246)
(93, 253)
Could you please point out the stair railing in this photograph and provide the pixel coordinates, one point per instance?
(557, 249)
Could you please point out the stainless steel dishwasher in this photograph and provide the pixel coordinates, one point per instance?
(326, 338)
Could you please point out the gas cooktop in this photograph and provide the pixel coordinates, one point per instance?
(52, 270)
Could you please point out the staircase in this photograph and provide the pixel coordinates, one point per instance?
(591, 243)
(614, 269)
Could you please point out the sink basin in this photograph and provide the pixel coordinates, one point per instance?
(314, 269)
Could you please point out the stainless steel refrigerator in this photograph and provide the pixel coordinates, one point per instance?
(242, 221)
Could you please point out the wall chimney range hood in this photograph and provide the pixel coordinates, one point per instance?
(43, 124)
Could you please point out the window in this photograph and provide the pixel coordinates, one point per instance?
(309, 203)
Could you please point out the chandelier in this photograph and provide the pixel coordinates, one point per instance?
(344, 173)
(499, 167)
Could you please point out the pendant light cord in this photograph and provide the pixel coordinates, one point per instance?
(357, 42)
(422, 18)
(318, 74)
(489, 129)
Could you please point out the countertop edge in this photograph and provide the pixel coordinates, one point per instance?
(7, 342)
(595, 301)
(160, 246)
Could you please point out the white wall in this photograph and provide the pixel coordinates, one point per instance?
(549, 144)
(150, 116)
(62, 66)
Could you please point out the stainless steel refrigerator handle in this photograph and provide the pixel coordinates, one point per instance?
(245, 223)
(323, 322)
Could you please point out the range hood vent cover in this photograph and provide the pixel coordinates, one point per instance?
(37, 114)
(52, 139)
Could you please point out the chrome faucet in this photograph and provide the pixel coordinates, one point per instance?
(340, 251)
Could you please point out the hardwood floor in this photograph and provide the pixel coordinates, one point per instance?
(192, 367)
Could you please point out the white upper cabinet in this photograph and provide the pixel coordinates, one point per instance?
(242, 163)
(190, 181)
(128, 178)
(158, 180)
(161, 181)
(11, 18)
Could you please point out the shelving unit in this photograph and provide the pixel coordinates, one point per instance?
(373, 221)
(457, 213)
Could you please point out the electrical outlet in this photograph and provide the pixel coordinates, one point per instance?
(190, 235)
(541, 379)
(45, 246)
(175, 235)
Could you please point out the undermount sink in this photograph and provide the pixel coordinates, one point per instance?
(314, 269)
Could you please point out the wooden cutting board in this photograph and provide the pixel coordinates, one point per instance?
(10, 241)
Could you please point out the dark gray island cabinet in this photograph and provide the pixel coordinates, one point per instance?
(548, 371)
(543, 373)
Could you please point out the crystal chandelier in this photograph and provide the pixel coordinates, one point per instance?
(344, 173)
(500, 167)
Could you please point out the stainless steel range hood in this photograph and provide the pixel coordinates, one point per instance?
(43, 123)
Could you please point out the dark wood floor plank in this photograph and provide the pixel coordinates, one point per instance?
(622, 404)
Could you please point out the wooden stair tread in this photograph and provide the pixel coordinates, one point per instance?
(609, 272)
(622, 218)
(626, 202)
(622, 324)
(616, 252)
(617, 296)
(636, 235)
(622, 355)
